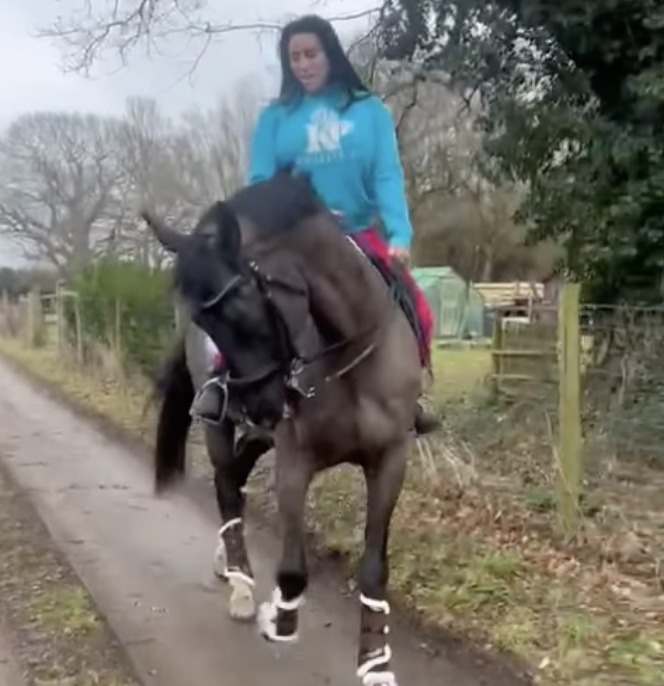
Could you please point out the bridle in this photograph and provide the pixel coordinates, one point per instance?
(286, 349)
(290, 363)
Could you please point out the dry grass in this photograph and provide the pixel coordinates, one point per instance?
(103, 387)
(474, 543)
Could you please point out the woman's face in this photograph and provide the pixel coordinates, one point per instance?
(308, 61)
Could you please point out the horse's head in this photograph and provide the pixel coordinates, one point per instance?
(229, 300)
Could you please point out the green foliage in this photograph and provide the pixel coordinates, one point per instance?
(573, 98)
(126, 305)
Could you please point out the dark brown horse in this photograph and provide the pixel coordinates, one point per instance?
(319, 353)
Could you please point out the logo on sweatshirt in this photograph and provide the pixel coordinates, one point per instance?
(325, 132)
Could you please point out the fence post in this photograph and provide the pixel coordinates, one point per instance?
(79, 328)
(117, 329)
(33, 317)
(569, 409)
(60, 318)
(496, 349)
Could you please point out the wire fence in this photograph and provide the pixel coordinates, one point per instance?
(571, 414)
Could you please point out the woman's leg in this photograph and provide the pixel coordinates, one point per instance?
(373, 245)
(208, 402)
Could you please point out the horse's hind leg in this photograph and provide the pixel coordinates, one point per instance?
(278, 619)
(384, 482)
(231, 471)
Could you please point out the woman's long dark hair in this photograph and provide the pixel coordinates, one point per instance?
(342, 72)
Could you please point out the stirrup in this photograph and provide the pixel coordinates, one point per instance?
(218, 380)
(429, 418)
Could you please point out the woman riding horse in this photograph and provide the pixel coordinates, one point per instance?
(327, 124)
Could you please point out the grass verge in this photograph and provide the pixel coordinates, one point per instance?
(474, 560)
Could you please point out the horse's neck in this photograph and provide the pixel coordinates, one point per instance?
(346, 293)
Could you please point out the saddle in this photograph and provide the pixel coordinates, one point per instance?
(404, 297)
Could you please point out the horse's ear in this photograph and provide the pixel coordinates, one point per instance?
(169, 238)
(228, 238)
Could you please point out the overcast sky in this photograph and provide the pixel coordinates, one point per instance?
(31, 77)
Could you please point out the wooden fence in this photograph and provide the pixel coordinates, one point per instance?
(540, 355)
(37, 311)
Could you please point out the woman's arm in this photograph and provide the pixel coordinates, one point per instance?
(262, 157)
(389, 182)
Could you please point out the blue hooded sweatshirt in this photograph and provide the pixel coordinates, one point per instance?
(351, 156)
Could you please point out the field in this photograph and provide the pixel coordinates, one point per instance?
(460, 372)
(475, 544)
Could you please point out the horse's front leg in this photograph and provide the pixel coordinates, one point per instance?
(384, 477)
(278, 619)
(231, 471)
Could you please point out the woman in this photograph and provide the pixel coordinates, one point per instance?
(327, 124)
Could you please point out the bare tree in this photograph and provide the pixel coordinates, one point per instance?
(151, 176)
(178, 168)
(214, 146)
(124, 26)
(58, 174)
(461, 219)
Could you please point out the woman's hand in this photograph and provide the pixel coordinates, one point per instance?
(401, 255)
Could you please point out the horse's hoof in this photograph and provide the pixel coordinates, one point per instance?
(219, 562)
(267, 625)
(242, 605)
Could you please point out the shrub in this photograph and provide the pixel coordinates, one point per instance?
(127, 306)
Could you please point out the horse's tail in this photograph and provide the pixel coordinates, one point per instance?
(176, 388)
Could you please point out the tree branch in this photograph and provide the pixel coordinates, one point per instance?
(125, 25)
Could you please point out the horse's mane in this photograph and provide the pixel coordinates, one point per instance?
(284, 207)
(275, 206)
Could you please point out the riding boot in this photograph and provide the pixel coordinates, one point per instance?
(208, 403)
(425, 421)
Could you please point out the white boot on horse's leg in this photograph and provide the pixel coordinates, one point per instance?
(370, 673)
(375, 668)
(219, 561)
(241, 604)
(269, 616)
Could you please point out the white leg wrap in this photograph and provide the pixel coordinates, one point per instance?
(220, 557)
(380, 657)
(375, 605)
(267, 616)
(242, 605)
(219, 562)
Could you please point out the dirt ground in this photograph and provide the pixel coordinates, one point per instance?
(10, 671)
(50, 632)
(147, 563)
